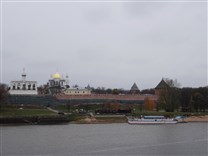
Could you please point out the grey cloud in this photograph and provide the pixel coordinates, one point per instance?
(110, 44)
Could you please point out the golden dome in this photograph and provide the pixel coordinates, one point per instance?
(56, 76)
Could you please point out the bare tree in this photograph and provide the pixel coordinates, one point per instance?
(4, 91)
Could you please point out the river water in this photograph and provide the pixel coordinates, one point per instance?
(105, 140)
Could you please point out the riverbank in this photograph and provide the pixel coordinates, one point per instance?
(34, 120)
(122, 119)
(98, 119)
(42, 115)
(103, 119)
(201, 118)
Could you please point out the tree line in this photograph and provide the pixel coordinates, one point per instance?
(184, 99)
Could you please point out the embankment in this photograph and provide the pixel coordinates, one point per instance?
(103, 119)
(201, 118)
(34, 120)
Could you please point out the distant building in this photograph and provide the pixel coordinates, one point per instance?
(23, 87)
(59, 85)
(134, 89)
(161, 87)
(77, 91)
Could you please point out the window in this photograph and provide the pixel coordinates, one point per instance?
(13, 87)
(18, 86)
(23, 87)
(29, 87)
(33, 86)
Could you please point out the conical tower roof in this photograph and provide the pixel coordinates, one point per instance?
(134, 87)
(88, 87)
(162, 85)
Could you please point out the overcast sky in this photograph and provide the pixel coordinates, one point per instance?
(106, 44)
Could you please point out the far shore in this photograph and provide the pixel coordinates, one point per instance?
(202, 118)
(102, 119)
(97, 120)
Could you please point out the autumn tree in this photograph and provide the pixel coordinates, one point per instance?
(115, 91)
(111, 106)
(149, 104)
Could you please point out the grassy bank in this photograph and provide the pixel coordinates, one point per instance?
(12, 114)
(12, 111)
(101, 120)
(170, 114)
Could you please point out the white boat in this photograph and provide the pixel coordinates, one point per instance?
(152, 120)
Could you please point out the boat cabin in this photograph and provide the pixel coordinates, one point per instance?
(154, 117)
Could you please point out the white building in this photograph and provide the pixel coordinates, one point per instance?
(23, 87)
(56, 84)
(77, 91)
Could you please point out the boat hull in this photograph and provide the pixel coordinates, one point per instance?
(151, 123)
(151, 120)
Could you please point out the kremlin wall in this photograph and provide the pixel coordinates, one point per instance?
(58, 91)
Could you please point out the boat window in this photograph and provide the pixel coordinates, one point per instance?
(154, 117)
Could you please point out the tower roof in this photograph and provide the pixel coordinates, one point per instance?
(162, 85)
(88, 87)
(23, 73)
(134, 87)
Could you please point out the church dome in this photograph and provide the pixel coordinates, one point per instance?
(56, 76)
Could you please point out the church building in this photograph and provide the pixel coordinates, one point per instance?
(59, 85)
(23, 87)
(56, 84)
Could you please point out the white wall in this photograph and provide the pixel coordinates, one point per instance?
(23, 92)
(77, 92)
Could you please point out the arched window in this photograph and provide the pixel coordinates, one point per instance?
(18, 86)
(24, 87)
(29, 87)
(33, 86)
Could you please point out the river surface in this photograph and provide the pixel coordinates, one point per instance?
(105, 140)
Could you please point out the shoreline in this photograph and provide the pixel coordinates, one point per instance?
(194, 118)
(33, 120)
(87, 120)
(96, 120)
